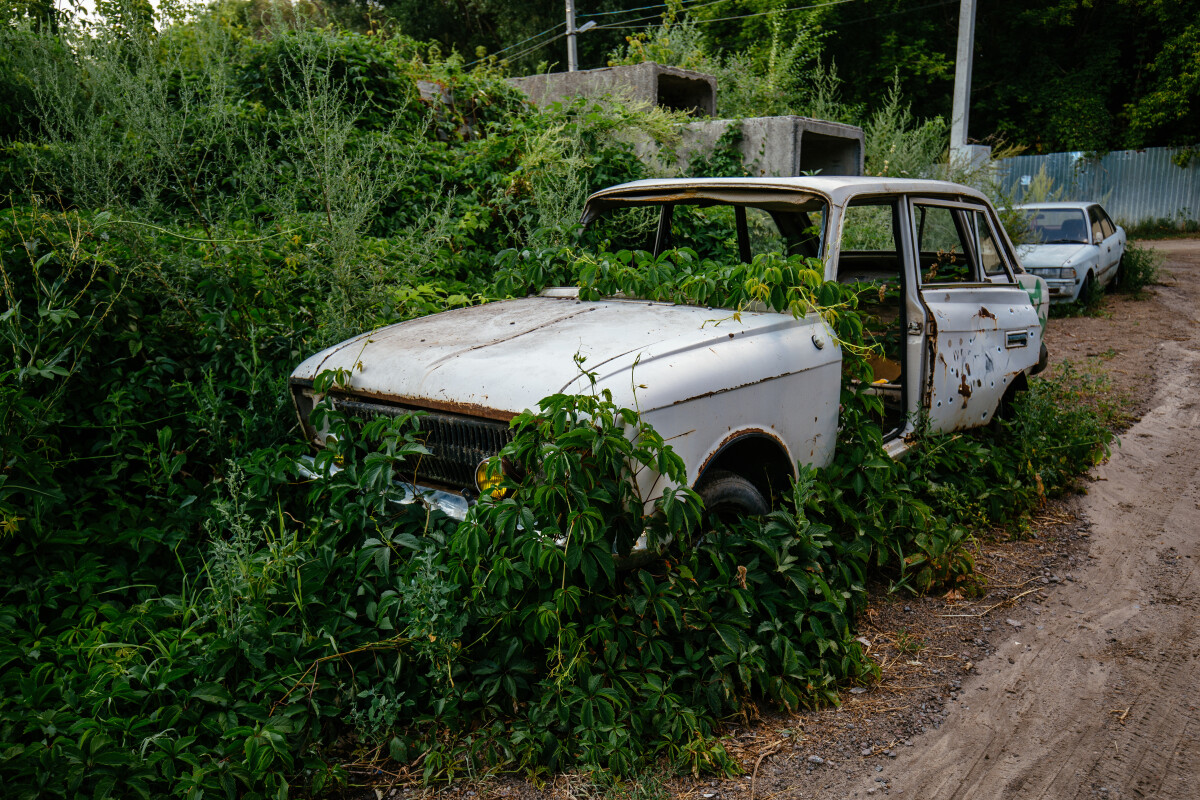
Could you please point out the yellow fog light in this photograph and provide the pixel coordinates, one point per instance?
(488, 479)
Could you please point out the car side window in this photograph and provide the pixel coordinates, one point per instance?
(989, 251)
(1106, 223)
(871, 260)
(942, 251)
(1097, 228)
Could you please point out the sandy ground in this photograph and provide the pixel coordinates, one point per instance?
(1077, 675)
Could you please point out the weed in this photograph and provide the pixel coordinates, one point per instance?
(908, 644)
(1139, 268)
(1183, 224)
(1090, 303)
(896, 145)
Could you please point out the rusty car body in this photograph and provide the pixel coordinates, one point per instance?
(744, 397)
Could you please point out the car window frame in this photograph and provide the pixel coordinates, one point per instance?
(960, 208)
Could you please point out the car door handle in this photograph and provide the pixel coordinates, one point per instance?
(1016, 339)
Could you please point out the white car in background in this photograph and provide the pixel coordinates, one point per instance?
(1074, 246)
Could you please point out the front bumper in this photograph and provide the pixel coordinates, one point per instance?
(1062, 291)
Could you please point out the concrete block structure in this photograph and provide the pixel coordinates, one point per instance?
(782, 146)
(770, 146)
(669, 87)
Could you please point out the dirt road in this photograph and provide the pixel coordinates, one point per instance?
(1096, 693)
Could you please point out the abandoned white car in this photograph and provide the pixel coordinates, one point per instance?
(746, 397)
(1075, 247)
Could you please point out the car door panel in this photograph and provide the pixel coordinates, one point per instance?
(981, 330)
(979, 339)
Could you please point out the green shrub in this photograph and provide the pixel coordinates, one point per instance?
(1139, 268)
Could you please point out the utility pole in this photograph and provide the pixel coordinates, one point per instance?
(572, 52)
(962, 80)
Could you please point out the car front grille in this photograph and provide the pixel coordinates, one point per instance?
(456, 443)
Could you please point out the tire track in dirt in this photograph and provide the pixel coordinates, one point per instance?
(1093, 694)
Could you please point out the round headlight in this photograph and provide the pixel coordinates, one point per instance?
(488, 479)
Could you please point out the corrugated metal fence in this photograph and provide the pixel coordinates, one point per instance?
(1133, 185)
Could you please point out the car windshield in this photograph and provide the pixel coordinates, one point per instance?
(1057, 225)
(720, 231)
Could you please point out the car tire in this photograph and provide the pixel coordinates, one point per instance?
(1085, 289)
(730, 497)
(1114, 285)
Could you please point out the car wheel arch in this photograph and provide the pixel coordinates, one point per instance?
(758, 456)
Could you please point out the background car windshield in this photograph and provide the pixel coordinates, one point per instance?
(1057, 226)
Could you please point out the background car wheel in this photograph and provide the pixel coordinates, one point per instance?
(1114, 285)
(730, 496)
(1087, 292)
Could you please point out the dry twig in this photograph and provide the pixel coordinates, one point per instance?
(992, 608)
(769, 751)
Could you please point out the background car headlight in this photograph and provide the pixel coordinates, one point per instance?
(1055, 273)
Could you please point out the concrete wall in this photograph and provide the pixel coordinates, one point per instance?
(669, 87)
(772, 146)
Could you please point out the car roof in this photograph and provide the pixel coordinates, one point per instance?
(1059, 204)
(837, 189)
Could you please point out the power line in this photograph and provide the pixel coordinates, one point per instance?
(624, 10)
(629, 23)
(523, 41)
(529, 39)
(581, 16)
(538, 46)
(896, 13)
(683, 7)
(626, 23)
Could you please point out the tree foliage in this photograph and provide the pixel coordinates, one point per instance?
(1065, 75)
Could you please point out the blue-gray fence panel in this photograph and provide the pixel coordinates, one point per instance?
(1133, 185)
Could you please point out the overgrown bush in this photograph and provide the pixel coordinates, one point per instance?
(1139, 268)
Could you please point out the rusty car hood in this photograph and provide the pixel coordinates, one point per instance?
(500, 358)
